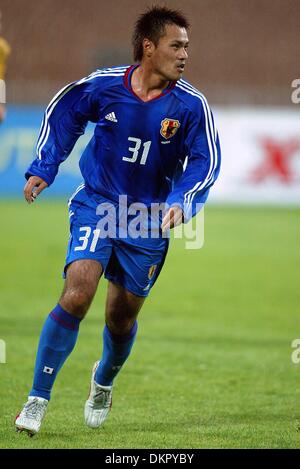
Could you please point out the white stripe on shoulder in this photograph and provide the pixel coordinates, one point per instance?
(206, 108)
(191, 87)
(190, 90)
(187, 88)
(108, 71)
(210, 135)
(100, 74)
(112, 69)
(45, 128)
(197, 92)
(183, 87)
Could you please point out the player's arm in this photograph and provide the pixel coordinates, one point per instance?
(203, 148)
(64, 122)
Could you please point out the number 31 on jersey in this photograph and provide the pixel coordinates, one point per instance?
(135, 150)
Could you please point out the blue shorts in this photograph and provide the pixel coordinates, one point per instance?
(132, 263)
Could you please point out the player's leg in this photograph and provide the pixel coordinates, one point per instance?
(60, 330)
(58, 338)
(82, 278)
(132, 271)
(87, 255)
(122, 308)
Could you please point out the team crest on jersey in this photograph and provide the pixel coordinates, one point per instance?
(169, 127)
(151, 271)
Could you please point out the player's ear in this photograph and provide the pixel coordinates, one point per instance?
(148, 47)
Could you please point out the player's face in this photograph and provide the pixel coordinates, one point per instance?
(170, 55)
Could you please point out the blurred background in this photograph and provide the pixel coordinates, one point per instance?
(244, 57)
(242, 52)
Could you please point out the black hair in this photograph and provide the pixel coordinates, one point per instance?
(151, 25)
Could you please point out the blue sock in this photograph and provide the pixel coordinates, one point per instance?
(116, 350)
(57, 340)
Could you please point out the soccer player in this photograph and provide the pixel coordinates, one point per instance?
(4, 53)
(148, 120)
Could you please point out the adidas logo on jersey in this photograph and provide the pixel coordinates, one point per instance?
(111, 117)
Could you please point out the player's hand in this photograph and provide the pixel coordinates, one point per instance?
(34, 186)
(172, 218)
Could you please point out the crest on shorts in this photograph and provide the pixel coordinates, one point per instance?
(169, 127)
(151, 271)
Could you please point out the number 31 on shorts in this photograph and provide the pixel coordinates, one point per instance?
(86, 237)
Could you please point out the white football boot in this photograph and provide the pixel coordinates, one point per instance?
(33, 412)
(99, 402)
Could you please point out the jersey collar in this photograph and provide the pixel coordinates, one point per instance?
(127, 84)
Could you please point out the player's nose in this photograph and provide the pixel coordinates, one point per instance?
(183, 54)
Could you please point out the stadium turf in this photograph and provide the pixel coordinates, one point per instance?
(211, 367)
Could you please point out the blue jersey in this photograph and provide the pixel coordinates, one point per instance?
(163, 150)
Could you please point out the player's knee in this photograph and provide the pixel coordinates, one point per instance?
(77, 302)
(120, 325)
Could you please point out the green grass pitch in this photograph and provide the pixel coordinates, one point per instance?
(211, 367)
